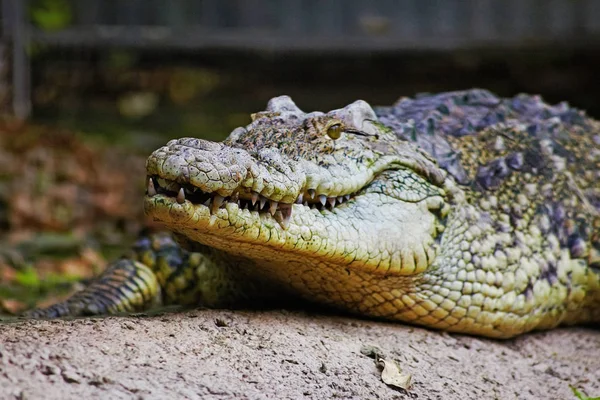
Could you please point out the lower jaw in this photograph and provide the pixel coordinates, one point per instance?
(197, 224)
(259, 236)
(240, 232)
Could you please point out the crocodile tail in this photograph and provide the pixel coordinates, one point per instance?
(126, 286)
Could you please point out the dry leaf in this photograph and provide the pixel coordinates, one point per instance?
(392, 374)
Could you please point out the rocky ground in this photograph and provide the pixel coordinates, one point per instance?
(283, 354)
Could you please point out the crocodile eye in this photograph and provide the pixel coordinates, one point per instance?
(335, 131)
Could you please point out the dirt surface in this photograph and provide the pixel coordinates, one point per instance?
(281, 354)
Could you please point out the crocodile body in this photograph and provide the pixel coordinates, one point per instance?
(458, 211)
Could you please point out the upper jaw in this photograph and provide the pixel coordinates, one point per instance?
(231, 171)
(216, 168)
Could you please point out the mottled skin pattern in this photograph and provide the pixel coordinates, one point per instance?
(459, 211)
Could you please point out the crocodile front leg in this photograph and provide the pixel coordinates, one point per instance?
(157, 271)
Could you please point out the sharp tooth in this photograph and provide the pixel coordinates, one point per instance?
(262, 201)
(323, 199)
(311, 193)
(207, 202)
(305, 204)
(331, 201)
(235, 196)
(340, 199)
(254, 198)
(180, 196)
(286, 215)
(151, 189)
(273, 207)
(299, 199)
(218, 200)
(347, 197)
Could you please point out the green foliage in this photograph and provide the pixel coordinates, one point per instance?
(581, 395)
(28, 288)
(27, 277)
(51, 15)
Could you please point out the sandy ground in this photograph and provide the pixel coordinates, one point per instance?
(214, 354)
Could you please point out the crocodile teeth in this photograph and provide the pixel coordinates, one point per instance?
(273, 207)
(151, 190)
(218, 200)
(286, 215)
(262, 201)
(252, 201)
(180, 196)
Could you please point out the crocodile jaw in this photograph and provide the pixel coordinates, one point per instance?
(349, 236)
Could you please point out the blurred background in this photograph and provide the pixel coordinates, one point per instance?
(89, 88)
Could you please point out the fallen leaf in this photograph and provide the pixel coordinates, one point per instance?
(392, 374)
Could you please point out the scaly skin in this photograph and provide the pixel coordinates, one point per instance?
(459, 211)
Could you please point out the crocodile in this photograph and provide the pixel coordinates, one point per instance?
(459, 211)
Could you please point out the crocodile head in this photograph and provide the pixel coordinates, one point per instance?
(297, 190)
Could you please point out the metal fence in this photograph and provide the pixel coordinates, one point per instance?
(295, 25)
